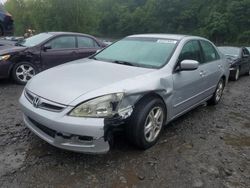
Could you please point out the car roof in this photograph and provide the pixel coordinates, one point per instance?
(163, 36)
(56, 33)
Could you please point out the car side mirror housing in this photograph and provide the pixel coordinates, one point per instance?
(97, 51)
(188, 65)
(47, 47)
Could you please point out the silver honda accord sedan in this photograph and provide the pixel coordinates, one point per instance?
(138, 84)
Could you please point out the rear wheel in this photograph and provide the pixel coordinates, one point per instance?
(236, 74)
(23, 72)
(218, 93)
(248, 73)
(146, 122)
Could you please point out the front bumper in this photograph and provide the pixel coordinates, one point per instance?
(5, 67)
(85, 135)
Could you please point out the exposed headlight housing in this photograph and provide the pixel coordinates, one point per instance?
(104, 106)
(4, 57)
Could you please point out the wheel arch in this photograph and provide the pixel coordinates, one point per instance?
(224, 78)
(152, 95)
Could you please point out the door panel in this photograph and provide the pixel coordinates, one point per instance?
(85, 52)
(53, 58)
(86, 46)
(211, 76)
(188, 85)
(62, 49)
(211, 67)
(188, 89)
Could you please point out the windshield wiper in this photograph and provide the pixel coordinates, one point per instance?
(18, 44)
(123, 63)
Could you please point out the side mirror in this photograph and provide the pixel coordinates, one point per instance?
(46, 47)
(188, 65)
(97, 51)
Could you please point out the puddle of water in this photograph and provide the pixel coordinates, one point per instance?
(238, 141)
(247, 125)
(239, 115)
(130, 178)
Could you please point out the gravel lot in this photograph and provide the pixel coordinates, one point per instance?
(208, 147)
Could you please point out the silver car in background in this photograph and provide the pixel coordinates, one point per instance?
(139, 83)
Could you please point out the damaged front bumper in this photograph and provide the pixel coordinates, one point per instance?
(85, 135)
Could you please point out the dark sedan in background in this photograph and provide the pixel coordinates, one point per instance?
(239, 60)
(6, 22)
(45, 50)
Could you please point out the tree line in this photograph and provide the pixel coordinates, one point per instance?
(222, 21)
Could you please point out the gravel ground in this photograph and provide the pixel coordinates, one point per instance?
(208, 147)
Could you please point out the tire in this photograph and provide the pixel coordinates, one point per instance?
(22, 72)
(248, 73)
(218, 93)
(236, 75)
(139, 131)
(1, 31)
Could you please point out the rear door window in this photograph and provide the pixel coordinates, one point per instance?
(63, 42)
(86, 42)
(209, 52)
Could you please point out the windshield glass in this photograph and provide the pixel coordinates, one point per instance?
(2, 9)
(142, 52)
(35, 40)
(230, 51)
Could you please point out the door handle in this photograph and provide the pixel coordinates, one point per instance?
(219, 66)
(202, 73)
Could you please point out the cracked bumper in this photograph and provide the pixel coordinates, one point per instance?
(85, 135)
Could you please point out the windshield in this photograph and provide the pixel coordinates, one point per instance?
(35, 40)
(230, 51)
(142, 52)
(2, 9)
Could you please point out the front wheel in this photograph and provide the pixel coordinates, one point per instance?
(218, 93)
(23, 72)
(146, 122)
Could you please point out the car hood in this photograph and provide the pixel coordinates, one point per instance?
(8, 49)
(65, 83)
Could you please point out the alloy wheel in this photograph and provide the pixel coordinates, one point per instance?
(25, 72)
(237, 74)
(219, 91)
(153, 124)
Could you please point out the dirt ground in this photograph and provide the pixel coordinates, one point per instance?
(208, 147)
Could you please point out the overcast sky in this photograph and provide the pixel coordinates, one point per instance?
(2, 1)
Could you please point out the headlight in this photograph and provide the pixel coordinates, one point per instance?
(104, 106)
(4, 57)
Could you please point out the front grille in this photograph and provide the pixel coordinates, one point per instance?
(48, 131)
(29, 96)
(44, 104)
(50, 107)
(52, 133)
